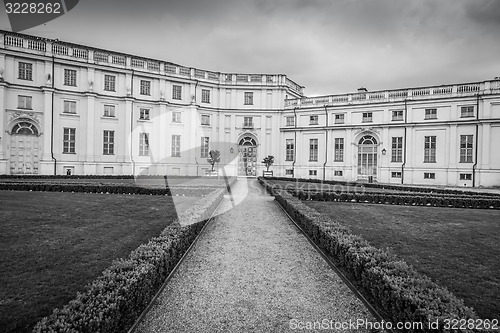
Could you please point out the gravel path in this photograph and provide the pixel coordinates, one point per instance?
(252, 271)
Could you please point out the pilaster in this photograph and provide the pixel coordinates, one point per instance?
(47, 123)
(91, 128)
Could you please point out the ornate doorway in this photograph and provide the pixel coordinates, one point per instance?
(247, 162)
(367, 157)
(24, 149)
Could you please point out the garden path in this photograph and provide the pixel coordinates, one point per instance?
(252, 271)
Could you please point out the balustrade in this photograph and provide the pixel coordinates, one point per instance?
(137, 63)
(101, 57)
(185, 71)
(37, 45)
(80, 53)
(468, 88)
(153, 66)
(60, 49)
(118, 60)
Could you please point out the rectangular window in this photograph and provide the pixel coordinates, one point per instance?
(430, 149)
(247, 122)
(108, 143)
(176, 145)
(143, 144)
(69, 139)
(248, 98)
(431, 114)
(338, 155)
(70, 77)
(313, 172)
(429, 175)
(339, 118)
(289, 172)
(290, 121)
(176, 92)
(397, 149)
(466, 111)
(466, 176)
(466, 148)
(205, 119)
(313, 120)
(109, 111)
(109, 82)
(396, 174)
(205, 142)
(397, 115)
(145, 87)
(205, 96)
(25, 71)
(337, 173)
(290, 150)
(24, 102)
(69, 107)
(313, 150)
(367, 117)
(144, 114)
(176, 117)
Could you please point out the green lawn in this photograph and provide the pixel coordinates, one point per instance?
(52, 244)
(457, 248)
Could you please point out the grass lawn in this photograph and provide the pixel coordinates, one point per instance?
(457, 248)
(52, 244)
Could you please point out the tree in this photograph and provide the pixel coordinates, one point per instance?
(268, 161)
(214, 158)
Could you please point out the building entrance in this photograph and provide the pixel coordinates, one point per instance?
(247, 160)
(367, 158)
(24, 149)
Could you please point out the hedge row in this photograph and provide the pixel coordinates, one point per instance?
(114, 301)
(403, 294)
(96, 176)
(104, 188)
(361, 190)
(387, 186)
(400, 199)
(67, 176)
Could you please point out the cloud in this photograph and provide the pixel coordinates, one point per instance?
(330, 46)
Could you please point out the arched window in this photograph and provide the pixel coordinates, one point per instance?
(367, 156)
(24, 128)
(368, 140)
(247, 141)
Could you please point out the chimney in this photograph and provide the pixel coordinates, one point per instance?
(362, 90)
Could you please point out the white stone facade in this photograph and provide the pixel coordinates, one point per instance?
(70, 108)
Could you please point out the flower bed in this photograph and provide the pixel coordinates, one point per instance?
(396, 288)
(114, 301)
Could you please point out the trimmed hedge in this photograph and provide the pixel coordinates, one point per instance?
(387, 186)
(400, 199)
(114, 301)
(104, 188)
(95, 176)
(402, 293)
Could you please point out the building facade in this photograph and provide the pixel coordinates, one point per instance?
(70, 108)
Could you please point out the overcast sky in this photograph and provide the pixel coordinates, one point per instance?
(328, 46)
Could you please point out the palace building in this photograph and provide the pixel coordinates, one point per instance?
(75, 109)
